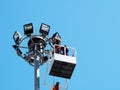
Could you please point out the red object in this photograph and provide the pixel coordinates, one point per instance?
(61, 50)
(58, 49)
(56, 87)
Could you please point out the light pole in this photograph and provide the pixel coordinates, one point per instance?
(35, 54)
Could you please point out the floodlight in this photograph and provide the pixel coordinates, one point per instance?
(19, 52)
(44, 29)
(17, 37)
(28, 29)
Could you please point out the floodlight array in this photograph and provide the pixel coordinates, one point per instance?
(36, 43)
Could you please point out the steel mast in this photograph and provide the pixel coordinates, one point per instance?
(35, 50)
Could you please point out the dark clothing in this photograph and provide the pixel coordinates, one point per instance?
(64, 50)
(61, 50)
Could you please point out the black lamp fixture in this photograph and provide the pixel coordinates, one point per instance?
(28, 29)
(17, 37)
(44, 29)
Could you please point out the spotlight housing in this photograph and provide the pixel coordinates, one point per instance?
(17, 37)
(44, 29)
(28, 29)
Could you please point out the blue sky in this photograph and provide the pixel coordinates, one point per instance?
(90, 26)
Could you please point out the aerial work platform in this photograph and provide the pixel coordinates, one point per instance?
(63, 64)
